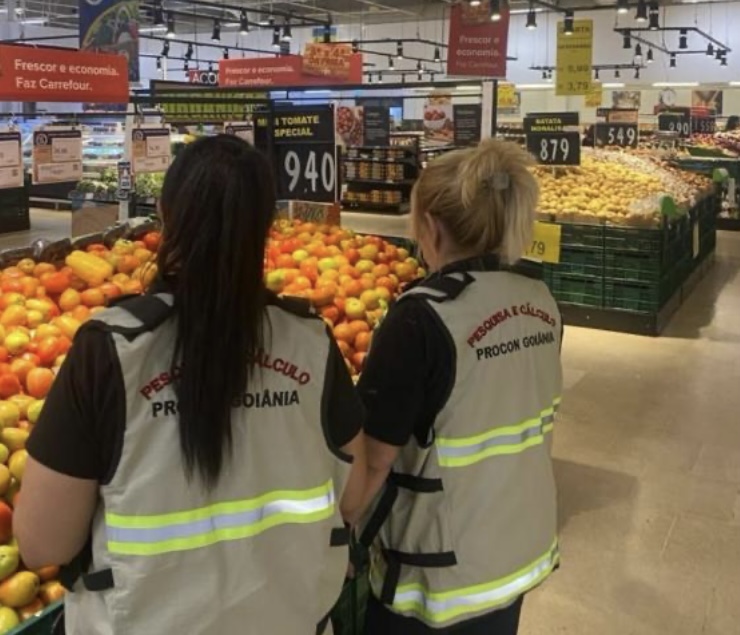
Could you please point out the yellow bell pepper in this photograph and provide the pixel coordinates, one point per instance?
(92, 269)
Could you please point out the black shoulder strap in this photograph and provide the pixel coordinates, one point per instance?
(440, 288)
(78, 568)
(528, 268)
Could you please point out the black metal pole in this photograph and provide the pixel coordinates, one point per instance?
(494, 109)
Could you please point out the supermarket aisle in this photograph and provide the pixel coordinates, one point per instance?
(45, 223)
(648, 466)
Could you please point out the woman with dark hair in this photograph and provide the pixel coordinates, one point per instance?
(189, 462)
(733, 123)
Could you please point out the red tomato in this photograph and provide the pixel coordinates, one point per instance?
(9, 385)
(49, 350)
(56, 282)
(152, 240)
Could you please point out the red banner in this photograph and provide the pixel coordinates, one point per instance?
(477, 45)
(291, 70)
(45, 74)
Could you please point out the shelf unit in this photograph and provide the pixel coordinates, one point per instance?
(379, 179)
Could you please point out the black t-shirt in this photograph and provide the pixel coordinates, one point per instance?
(410, 370)
(84, 416)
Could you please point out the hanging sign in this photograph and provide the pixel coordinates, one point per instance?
(151, 150)
(240, 129)
(468, 120)
(546, 240)
(313, 69)
(618, 115)
(11, 159)
(376, 126)
(305, 153)
(678, 122)
(554, 139)
(111, 26)
(621, 135)
(57, 155)
(207, 77)
(574, 58)
(477, 45)
(31, 74)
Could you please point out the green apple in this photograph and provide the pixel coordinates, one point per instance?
(365, 265)
(9, 561)
(275, 280)
(299, 255)
(16, 342)
(327, 263)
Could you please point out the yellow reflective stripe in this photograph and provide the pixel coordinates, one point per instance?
(201, 513)
(495, 450)
(442, 607)
(217, 535)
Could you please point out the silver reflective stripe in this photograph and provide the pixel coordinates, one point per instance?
(220, 521)
(506, 440)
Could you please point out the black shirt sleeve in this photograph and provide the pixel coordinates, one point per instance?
(407, 374)
(84, 414)
(343, 409)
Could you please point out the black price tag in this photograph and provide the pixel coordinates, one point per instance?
(307, 172)
(555, 148)
(621, 135)
(675, 122)
(703, 125)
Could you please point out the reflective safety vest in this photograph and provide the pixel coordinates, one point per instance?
(265, 551)
(467, 521)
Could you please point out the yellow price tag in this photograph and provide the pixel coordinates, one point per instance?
(545, 243)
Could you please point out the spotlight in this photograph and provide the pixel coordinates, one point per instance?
(399, 50)
(638, 54)
(622, 6)
(531, 17)
(165, 49)
(243, 23)
(189, 52)
(544, 75)
(159, 63)
(474, 3)
(673, 60)
(626, 41)
(596, 73)
(641, 14)
(186, 66)
(637, 73)
(216, 34)
(437, 56)
(158, 15)
(276, 38)
(568, 22)
(226, 53)
(654, 17)
(170, 25)
(327, 29)
(380, 77)
(355, 46)
(391, 63)
(369, 78)
(287, 31)
(650, 58)
(617, 74)
(495, 10)
(683, 40)
(718, 54)
(549, 76)
(432, 76)
(723, 61)
(710, 49)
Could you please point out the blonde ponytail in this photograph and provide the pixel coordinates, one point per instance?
(486, 198)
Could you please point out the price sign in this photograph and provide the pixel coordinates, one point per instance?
(675, 122)
(151, 149)
(703, 125)
(57, 155)
(621, 135)
(11, 164)
(307, 172)
(555, 148)
(305, 153)
(545, 245)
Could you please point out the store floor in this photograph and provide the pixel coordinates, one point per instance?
(647, 456)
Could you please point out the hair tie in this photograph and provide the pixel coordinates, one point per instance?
(499, 181)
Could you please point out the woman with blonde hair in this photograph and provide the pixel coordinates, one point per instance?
(461, 387)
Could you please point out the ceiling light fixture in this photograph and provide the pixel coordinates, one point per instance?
(641, 15)
(638, 54)
(637, 73)
(355, 46)
(723, 61)
(710, 49)
(380, 77)
(399, 50)
(287, 31)
(495, 10)
(243, 23)
(327, 29)
(617, 74)
(626, 41)
(672, 63)
(216, 34)
(159, 63)
(568, 22)
(622, 6)
(226, 53)
(165, 49)
(474, 3)
(437, 56)
(276, 38)
(650, 58)
(391, 63)
(170, 25)
(189, 52)
(158, 15)
(683, 40)
(654, 17)
(596, 73)
(531, 17)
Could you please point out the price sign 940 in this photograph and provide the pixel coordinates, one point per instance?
(308, 172)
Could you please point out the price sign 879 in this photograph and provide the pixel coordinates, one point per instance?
(555, 148)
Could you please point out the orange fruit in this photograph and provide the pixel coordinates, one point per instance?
(362, 342)
(9, 385)
(344, 333)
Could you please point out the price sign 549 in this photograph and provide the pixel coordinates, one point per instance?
(307, 172)
(622, 135)
(555, 148)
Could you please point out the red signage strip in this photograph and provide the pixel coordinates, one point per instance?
(45, 74)
(288, 70)
(477, 44)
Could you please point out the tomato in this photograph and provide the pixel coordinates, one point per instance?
(92, 297)
(49, 350)
(152, 240)
(21, 367)
(9, 385)
(110, 290)
(56, 282)
(32, 357)
(4, 355)
(38, 382)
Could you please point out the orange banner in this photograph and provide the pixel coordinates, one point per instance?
(46, 74)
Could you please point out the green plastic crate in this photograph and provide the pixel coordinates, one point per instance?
(580, 235)
(635, 239)
(41, 624)
(586, 262)
(633, 265)
(640, 297)
(573, 289)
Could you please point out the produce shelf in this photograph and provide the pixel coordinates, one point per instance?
(378, 208)
(41, 624)
(403, 183)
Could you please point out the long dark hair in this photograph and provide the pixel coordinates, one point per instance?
(217, 205)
